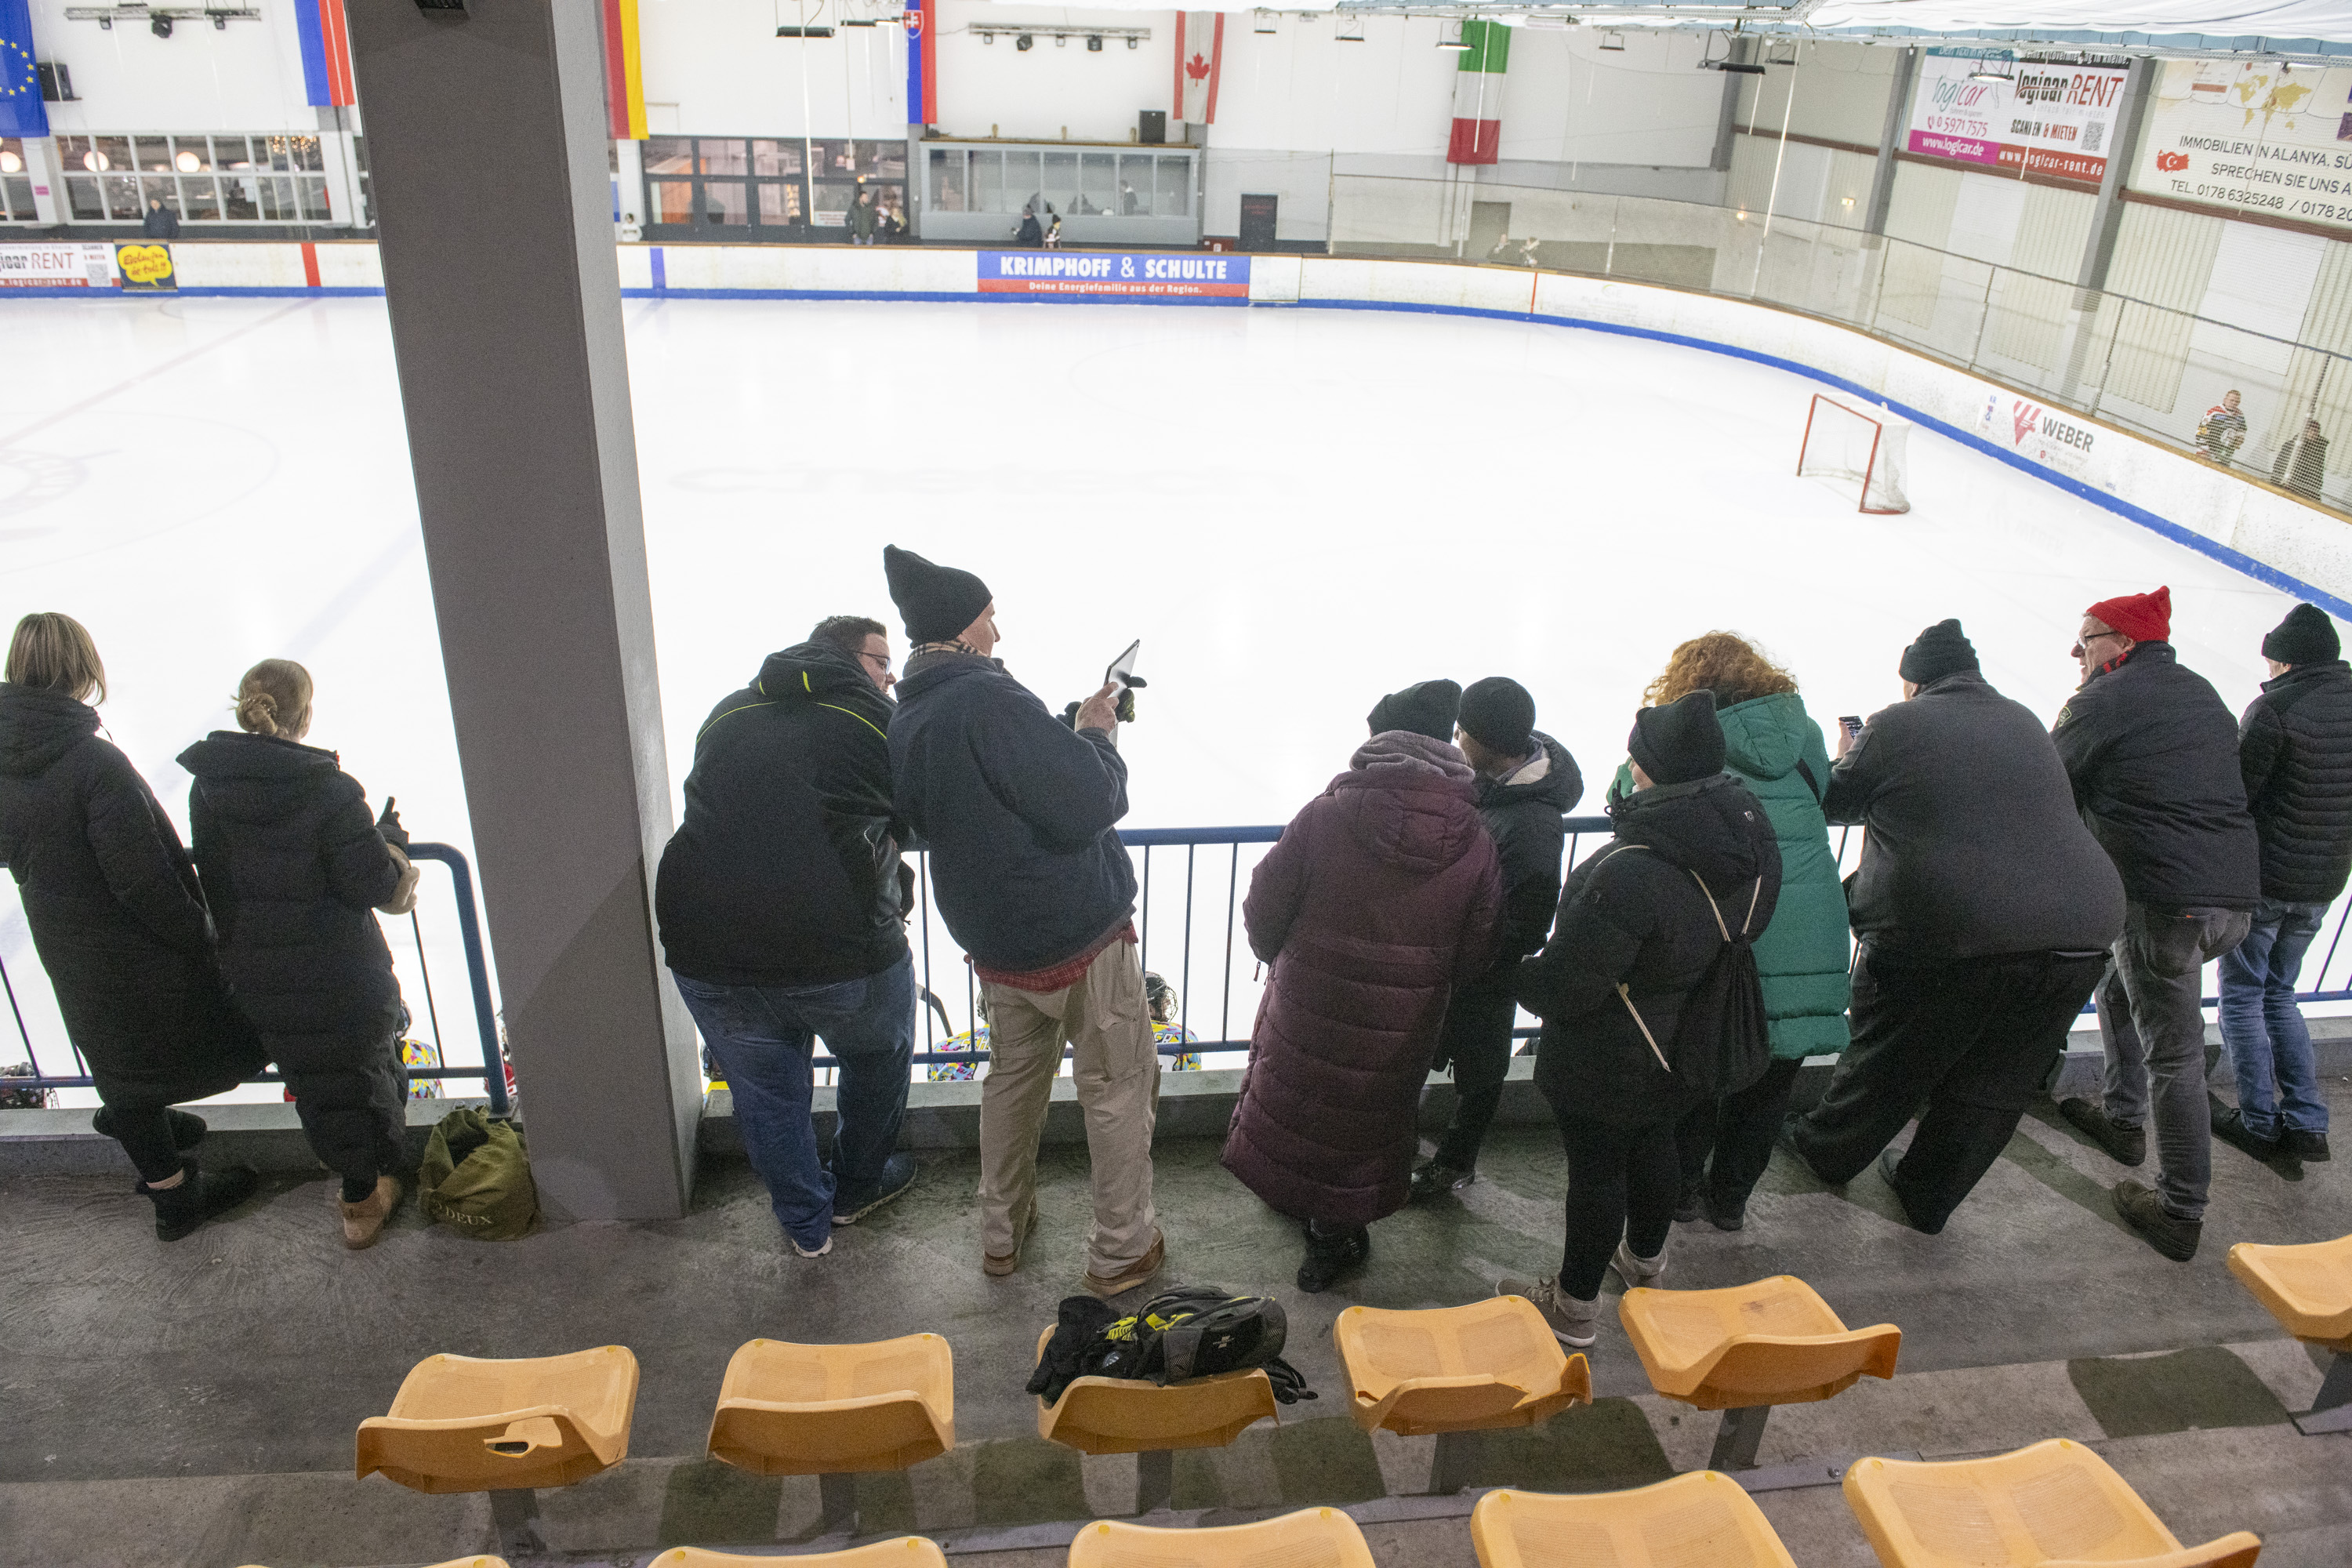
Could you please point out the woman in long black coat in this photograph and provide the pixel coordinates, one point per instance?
(119, 921)
(293, 864)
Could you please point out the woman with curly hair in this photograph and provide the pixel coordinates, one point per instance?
(1774, 747)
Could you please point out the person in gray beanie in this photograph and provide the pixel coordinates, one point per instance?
(2294, 748)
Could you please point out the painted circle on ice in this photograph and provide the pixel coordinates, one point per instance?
(111, 479)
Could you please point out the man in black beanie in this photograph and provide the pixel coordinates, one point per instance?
(1426, 707)
(1983, 908)
(1527, 782)
(2294, 748)
(1020, 812)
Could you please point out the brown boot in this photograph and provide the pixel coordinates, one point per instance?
(363, 1221)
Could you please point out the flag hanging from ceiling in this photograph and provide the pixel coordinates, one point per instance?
(1478, 93)
(21, 113)
(625, 76)
(1199, 53)
(326, 43)
(922, 68)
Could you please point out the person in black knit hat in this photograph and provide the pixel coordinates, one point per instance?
(936, 601)
(1527, 782)
(1942, 649)
(1426, 707)
(2294, 748)
(1679, 743)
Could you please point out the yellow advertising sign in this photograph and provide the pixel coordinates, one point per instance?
(145, 268)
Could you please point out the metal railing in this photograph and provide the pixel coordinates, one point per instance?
(467, 920)
(2151, 368)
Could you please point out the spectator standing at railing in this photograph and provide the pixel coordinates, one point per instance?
(2294, 752)
(1772, 745)
(120, 923)
(2301, 464)
(1020, 812)
(1379, 900)
(1641, 922)
(783, 901)
(2153, 756)
(1983, 908)
(2222, 430)
(1527, 782)
(294, 864)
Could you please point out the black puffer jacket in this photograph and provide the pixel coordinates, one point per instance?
(2295, 751)
(786, 870)
(2153, 757)
(1634, 915)
(116, 913)
(1523, 821)
(294, 866)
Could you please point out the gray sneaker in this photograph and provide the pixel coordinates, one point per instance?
(1573, 1323)
(1639, 1273)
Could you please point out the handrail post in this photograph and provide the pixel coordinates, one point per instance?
(478, 968)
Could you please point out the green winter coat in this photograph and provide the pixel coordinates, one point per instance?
(1804, 954)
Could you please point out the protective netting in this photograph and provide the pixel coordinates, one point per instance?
(1856, 447)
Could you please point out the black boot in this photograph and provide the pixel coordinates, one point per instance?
(1690, 1204)
(200, 1195)
(1331, 1258)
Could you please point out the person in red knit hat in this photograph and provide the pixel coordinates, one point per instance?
(2152, 755)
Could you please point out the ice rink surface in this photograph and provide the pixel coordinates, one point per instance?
(1296, 511)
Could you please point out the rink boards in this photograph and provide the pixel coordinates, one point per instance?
(2263, 532)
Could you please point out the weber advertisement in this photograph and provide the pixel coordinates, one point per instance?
(2047, 435)
(2053, 121)
(2251, 136)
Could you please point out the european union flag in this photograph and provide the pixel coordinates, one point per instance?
(21, 110)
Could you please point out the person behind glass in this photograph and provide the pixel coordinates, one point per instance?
(1638, 930)
(1031, 232)
(295, 864)
(2152, 755)
(2223, 429)
(1378, 901)
(160, 222)
(782, 903)
(1774, 747)
(120, 923)
(863, 218)
(1053, 233)
(1527, 782)
(2300, 465)
(1983, 907)
(2294, 752)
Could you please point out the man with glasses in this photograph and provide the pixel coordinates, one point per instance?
(783, 904)
(2153, 756)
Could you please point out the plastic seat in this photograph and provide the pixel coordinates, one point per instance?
(808, 1410)
(2053, 1505)
(1772, 1342)
(2308, 1288)
(1311, 1538)
(464, 1425)
(905, 1552)
(1456, 1369)
(455, 1562)
(1125, 1416)
(1705, 1520)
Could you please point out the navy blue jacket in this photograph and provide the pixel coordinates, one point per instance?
(1017, 809)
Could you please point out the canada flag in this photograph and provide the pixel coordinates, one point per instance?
(1200, 54)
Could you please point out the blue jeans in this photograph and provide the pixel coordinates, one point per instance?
(760, 1038)
(2270, 1047)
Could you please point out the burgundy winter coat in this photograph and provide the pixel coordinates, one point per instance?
(1381, 898)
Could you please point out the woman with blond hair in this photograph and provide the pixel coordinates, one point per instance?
(120, 923)
(294, 863)
(1775, 748)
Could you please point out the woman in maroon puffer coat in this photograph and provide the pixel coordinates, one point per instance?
(1381, 898)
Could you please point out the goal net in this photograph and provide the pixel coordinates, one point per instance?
(1858, 448)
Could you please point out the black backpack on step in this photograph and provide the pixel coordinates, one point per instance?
(1195, 1332)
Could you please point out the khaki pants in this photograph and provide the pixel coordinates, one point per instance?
(1118, 1078)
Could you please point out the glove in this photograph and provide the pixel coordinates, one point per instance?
(389, 826)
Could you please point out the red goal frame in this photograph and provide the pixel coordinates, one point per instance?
(1870, 469)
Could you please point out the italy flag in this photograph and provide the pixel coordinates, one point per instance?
(1478, 93)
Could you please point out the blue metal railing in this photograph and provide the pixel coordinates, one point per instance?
(478, 968)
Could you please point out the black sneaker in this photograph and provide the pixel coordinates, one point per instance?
(201, 1195)
(2166, 1232)
(1691, 1203)
(1787, 1139)
(1435, 1179)
(1889, 1161)
(2125, 1145)
(897, 1176)
(1331, 1258)
(2230, 1127)
(2304, 1144)
(1727, 1216)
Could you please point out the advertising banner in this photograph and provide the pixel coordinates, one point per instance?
(1107, 273)
(2251, 136)
(2052, 121)
(146, 268)
(56, 265)
(2047, 435)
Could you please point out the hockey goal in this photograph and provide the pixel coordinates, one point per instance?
(1858, 448)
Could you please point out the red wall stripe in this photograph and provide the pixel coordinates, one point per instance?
(336, 33)
(309, 264)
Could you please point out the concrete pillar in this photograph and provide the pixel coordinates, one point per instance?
(919, 180)
(48, 189)
(337, 157)
(2083, 325)
(1890, 141)
(629, 179)
(1726, 120)
(487, 150)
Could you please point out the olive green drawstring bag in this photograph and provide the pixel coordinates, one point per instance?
(475, 1178)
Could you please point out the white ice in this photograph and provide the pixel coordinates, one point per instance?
(1296, 511)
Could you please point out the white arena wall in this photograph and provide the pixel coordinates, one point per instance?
(2265, 532)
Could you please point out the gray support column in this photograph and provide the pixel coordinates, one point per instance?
(48, 188)
(2107, 217)
(487, 152)
(1891, 139)
(1727, 122)
(918, 181)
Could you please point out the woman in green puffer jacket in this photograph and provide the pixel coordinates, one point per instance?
(1804, 954)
